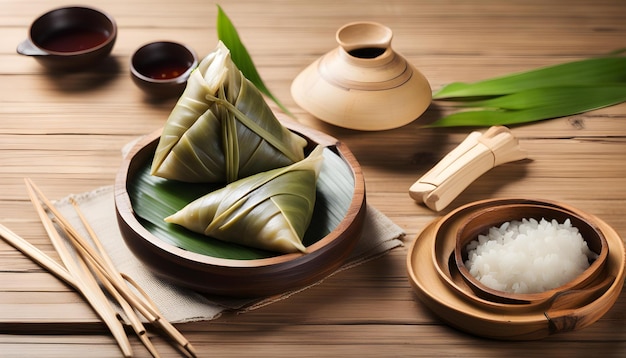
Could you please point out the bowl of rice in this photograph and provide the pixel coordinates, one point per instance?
(522, 253)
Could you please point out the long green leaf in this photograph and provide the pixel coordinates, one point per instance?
(586, 96)
(536, 104)
(228, 34)
(585, 72)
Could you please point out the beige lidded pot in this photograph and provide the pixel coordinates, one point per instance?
(363, 84)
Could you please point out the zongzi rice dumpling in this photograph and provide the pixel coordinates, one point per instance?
(221, 129)
(269, 210)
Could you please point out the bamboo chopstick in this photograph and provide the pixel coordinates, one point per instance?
(37, 255)
(102, 263)
(85, 282)
(130, 313)
(135, 322)
(40, 258)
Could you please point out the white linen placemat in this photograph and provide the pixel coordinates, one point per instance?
(179, 304)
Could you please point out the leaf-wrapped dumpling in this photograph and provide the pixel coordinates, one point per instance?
(221, 129)
(269, 210)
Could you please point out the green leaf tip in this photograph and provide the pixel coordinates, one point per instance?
(227, 33)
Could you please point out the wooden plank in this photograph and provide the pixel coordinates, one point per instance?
(67, 131)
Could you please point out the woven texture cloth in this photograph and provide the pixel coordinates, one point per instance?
(179, 304)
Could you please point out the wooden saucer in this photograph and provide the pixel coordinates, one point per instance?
(441, 290)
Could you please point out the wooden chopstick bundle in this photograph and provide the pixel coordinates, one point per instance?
(92, 268)
(143, 303)
(85, 281)
(135, 322)
(476, 155)
(110, 274)
(38, 256)
(130, 313)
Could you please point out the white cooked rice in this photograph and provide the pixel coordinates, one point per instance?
(528, 256)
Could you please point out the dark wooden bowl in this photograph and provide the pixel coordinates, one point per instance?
(241, 277)
(480, 222)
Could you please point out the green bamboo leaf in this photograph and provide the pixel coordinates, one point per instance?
(153, 199)
(228, 34)
(536, 104)
(585, 72)
(550, 96)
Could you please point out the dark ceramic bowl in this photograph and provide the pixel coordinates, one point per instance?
(161, 69)
(70, 38)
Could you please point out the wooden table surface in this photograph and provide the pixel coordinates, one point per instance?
(66, 132)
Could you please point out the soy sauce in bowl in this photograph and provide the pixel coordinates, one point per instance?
(70, 38)
(161, 68)
(74, 40)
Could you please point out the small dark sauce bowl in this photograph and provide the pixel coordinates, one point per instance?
(161, 69)
(70, 38)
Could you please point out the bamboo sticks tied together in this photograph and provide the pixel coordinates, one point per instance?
(89, 271)
(476, 155)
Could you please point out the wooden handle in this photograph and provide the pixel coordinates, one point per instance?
(476, 155)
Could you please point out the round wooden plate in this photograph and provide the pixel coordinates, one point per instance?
(435, 284)
(335, 232)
